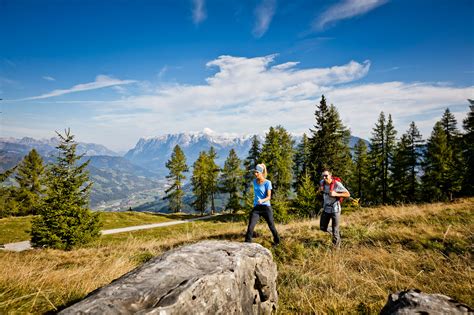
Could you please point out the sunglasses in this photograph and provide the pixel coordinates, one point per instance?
(326, 175)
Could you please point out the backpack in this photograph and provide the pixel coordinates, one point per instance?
(331, 186)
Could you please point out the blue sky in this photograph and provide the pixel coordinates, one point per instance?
(115, 71)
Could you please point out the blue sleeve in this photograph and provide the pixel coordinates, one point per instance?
(268, 185)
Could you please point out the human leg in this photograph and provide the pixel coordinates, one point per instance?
(253, 219)
(268, 216)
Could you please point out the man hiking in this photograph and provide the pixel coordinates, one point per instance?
(333, 192)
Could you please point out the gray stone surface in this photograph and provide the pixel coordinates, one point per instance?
(210, 277)
(414, 301)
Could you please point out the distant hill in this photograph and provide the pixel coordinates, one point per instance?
(114, 177)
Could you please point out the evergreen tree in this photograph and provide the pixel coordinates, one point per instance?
(251, 162)
(213, 175)
(406, 164)
(360, 182)
(454, 142)
(329, 143)
(199, 181)
(232, 181)
(306, 202)
(400, 169)
(64, 220)
(8, 203)
(468, 151)
(29, 178)
(437, 184)
(382, 146)
(301, 161)
(177, 166)
(277, 154)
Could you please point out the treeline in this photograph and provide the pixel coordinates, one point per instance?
(388, 169)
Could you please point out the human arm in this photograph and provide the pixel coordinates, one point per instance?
(339, 191)
(267, 198)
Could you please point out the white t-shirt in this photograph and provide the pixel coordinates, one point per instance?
(331, 205)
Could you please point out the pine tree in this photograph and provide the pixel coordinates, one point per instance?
(437, 166)
(199, 181)
(468, 151)
(29, 178)
(306, 202)
(64, 220)
(406, 164)
(213, 175)
(361, 174)
(329, 143)
(382, 146)
(8, 204)
(301, 161)
(232, 181)
(177, 166)
(454, 142)
(277, 154)
(251, 162)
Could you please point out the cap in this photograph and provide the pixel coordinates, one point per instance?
(259, 169)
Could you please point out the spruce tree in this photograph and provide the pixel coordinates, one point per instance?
(437, 184)
(468, 151)
(213, 175)
(64, 220)
(277, 154)
(306, 202)
(301, 161)
(8, 204)
(382, 145)
(454, 142)
(406, 165)
(232, 181)
(361, 175)
(177, 166)
(199, 181)
(329, 143)
(29, 177)
(251, 162)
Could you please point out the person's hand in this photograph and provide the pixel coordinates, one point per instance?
(259, 201)
(333, 193)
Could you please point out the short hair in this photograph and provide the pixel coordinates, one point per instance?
(327, 170)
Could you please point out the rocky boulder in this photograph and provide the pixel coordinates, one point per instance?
(414, 301)
(210, 277)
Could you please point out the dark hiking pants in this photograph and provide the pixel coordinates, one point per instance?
(334, 231)
(267, 213)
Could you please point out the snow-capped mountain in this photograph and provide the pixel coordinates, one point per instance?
(155, 151)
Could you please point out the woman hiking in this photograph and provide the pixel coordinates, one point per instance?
(262, 189)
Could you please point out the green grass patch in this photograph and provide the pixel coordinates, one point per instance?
(15, 229)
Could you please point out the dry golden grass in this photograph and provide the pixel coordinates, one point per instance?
(385, 249)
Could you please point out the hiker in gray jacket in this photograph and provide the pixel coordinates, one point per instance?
(333, 192)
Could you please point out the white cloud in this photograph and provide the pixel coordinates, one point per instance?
(101, 81)
(248, 95)
(345, 9)
(48, 78)
(199, 11)
(264, 13)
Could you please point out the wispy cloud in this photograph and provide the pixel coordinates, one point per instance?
(48, 78)
(264, 13)
(199, 11)
(345, 9)
(101, 81)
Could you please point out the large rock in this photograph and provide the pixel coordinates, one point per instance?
(210, 277)
(415, 302)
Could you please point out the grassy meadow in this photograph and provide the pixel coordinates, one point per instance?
(384, 249)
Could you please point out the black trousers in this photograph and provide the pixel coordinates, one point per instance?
(267, 213)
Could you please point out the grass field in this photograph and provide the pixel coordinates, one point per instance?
(385, 249)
